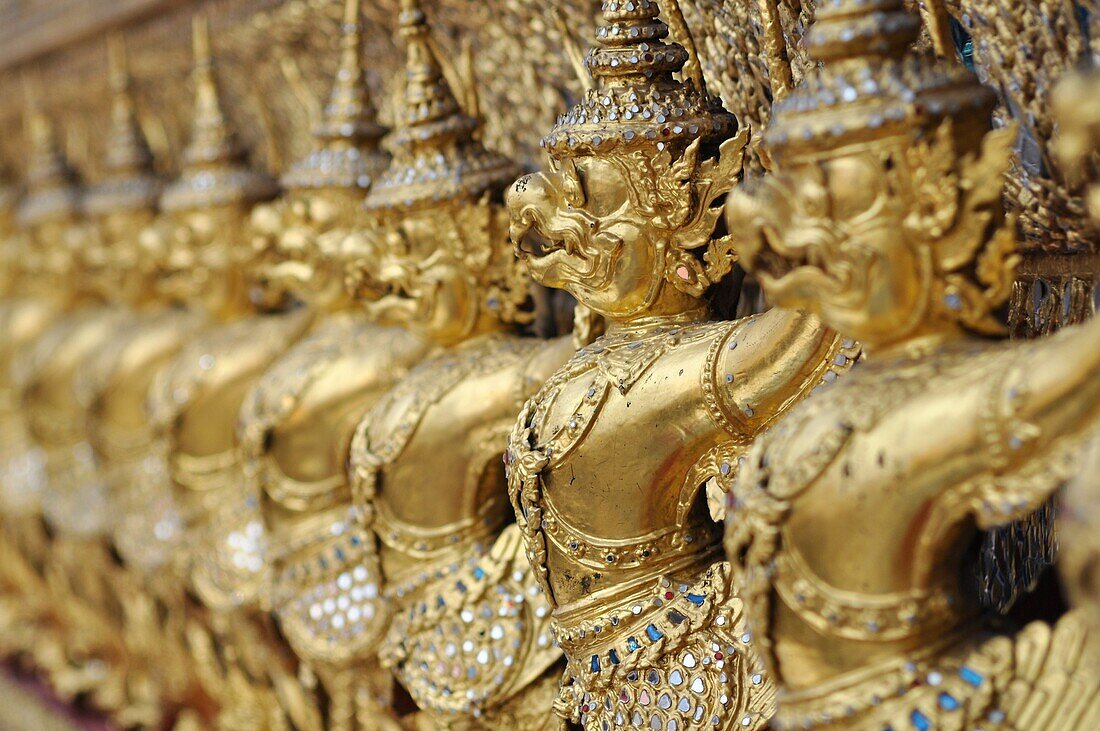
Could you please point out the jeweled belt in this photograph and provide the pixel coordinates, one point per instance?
(893, 683)
(659, 547)
(651, 611)
(437, 542)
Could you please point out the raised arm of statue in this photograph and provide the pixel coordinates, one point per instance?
(771, 361)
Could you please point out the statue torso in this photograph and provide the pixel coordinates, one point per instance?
(850, 524)
(74, 500)
(194, 404)
(470, 629)
(643, 606)
(295, 428)
(22, 321)
(114, 388)
(677, 388)
(296, 423)
(48, 369)
(434, 441)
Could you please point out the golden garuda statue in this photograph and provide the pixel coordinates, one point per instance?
(37, 292)
(469, 636)
(296, 423)
(69, 232)
(111, 388)
(114, 384)
(643, 419)
(37, 279)
(852, 519)
(210, 262)
(45, 618)
(308, 451)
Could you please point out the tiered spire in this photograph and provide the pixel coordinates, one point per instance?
(129, 182)
(346, 152)
(871, 86)
(215, 169)
(53, 187)
(637, 99)
(437, 156)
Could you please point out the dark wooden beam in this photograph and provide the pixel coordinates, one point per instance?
(29, 33)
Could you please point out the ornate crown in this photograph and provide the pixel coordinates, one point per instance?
(437, 156)
(129, 182)
(637, 102)
(53, 189)
(346, 152)
(215, 171)
(871, 87)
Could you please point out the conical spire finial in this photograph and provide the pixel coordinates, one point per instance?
(212, 137)
(347, 152)
(437, 156)
(431, 113)
(215, 169)
(53, 187)
(870, 86)
(637, 99)
(633, 49)
(130, 182)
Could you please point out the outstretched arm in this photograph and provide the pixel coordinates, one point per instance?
(1052, 392)
(771, 361)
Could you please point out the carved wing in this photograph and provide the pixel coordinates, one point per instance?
(1054, 687)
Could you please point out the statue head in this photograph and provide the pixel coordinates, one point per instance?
(627, 219)
(1076, 107)
(444, 261)
(883, 215)
(306, 231)
(201, 245)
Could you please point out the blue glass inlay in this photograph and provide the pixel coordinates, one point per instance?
(632, 644)
(948, 702)
(675, 617)
(439, 602)
(972, 677)
(964, 43)
(460, 586)
(920, 721)
(323, 561)
(696, 599)
(613, 657)
(339, 552)
(595, 663)
(653, 633)
(356, 540)
(479, 573)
